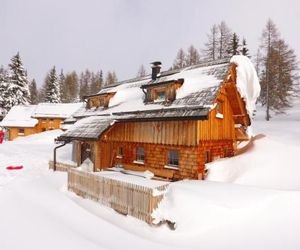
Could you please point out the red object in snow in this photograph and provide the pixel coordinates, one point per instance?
(14, 167)
(1, 136)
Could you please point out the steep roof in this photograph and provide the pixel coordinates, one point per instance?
(55, 110)
(20, 116)
(199, 89)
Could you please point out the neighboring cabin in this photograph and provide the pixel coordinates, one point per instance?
(171, 123)
(23, 120)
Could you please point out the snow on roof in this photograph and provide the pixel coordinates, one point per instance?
(88, 128)
(20, 116)
(203, 79)
(57, 110)
(247, 81)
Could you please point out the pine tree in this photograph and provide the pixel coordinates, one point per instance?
(211, 46)
(52, 93)
(224, 40)
(244, 50)
(192, 56)
(234, 45)
(111, 78)
(279, 75)
(62, 87)
(142, 71)
(18, 87)
(180, 60)
(3, 88)
(33, 92)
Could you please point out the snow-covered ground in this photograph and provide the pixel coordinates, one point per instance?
(251, 201)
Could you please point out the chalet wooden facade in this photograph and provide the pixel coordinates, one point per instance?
(24, 120)
(165, 127)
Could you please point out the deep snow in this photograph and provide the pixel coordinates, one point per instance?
(247, 204)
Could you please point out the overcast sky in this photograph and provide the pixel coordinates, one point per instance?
(121, 35)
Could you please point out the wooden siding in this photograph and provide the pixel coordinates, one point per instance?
(14, 132)
(126, 198)
(218, 128)
(45, 124)
(99, 101)
(161, 132)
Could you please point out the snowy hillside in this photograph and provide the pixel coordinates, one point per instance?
(251, 201)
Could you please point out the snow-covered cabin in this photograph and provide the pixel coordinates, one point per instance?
(170, 123)
(23, 120)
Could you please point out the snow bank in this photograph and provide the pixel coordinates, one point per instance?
(247, 81)
(267, 163)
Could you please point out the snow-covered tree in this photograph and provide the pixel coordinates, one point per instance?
(224, 38)
(52, 92)
(18, 87)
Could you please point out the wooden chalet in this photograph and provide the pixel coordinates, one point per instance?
(23, 120)
(171, 123)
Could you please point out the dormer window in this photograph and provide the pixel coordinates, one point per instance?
(160, 95)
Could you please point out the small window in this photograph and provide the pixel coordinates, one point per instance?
(207, 157)
(161, 96)
(120, 152)
(140, 154)
(219, 107)
(173, 158)
(21, 131)
(43, 121)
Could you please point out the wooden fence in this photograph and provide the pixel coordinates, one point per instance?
(63, 167)
(126, 198)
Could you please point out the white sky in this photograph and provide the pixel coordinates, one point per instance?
(121, 35)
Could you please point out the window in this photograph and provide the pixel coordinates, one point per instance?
(173, 158)
(207, 157)
(21, 131)
(219, 110)
(161, 96)
(43, 121)
(140, 154)
(120, 152)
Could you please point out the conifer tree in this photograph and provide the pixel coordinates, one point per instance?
(33, 92)
(52, 92)
(244, 50)
(85, 82)
(225, 35)
(180, 60)
(234, 45)
(62, 87)
(18, 87)
(279, 74)
(211, 46)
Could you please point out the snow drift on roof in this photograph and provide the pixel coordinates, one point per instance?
(20, 116)
(247, 81)
(57, 110)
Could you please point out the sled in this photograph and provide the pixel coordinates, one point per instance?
(14, 167)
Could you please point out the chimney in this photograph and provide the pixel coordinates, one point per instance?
(155, 69)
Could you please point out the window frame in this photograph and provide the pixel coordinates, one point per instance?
(173, 161)
(120, 152)
(21, 133)
(140, 157)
